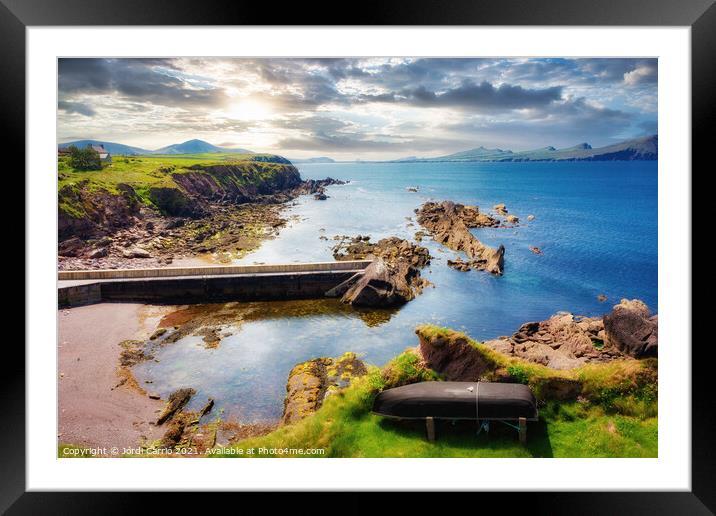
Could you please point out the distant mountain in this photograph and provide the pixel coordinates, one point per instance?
(646, 148)
(188, 147)
(112, 148)
(197, 147)
(313, 160)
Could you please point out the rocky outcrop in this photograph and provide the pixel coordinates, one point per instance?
(449, 224)
(500, 209)
(311, 382)
(175, 404)
(391, 250)
(456, 357)
(632, 329)
(391, 280)
(85, 212)
(564, 341)
(453, 356)
(385, 284)
(222, 208)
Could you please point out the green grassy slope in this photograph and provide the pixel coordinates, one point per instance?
(88, 199)
(614, 417)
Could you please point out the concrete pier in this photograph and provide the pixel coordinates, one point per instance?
(204, 284)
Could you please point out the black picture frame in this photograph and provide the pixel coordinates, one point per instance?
(700, 15)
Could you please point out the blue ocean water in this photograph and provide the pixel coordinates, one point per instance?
(596, 223)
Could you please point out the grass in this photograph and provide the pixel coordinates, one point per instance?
(152, 177)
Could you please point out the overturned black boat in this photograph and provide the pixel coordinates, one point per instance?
(478, 401)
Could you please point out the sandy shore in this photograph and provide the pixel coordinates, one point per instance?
(94, 409)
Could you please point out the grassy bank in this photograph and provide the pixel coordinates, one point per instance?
(148, 174)
(614, 417)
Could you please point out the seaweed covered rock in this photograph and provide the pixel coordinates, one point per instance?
(631, 329)
(175, 404)
(309, 383)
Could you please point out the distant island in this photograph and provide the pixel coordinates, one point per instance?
(321, 159)
(645, 148)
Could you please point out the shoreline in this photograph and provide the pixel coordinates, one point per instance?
(97, 406)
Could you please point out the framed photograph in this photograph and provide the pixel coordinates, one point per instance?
(423, 248)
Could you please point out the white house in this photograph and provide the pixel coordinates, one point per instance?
(104, 155)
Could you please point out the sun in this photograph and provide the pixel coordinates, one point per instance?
(248, 110)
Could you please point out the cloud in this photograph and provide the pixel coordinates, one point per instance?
(372, 106)
(642, 74)
(76, 107)
(151, 81)
(485, 95)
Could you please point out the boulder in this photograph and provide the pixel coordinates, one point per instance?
(501, 209)
(631, 329)
(71, 247)
(384, 285)
(99, 252)
(311, 382)
(136, 252)
(535, 249)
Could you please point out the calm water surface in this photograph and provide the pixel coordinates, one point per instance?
(595, 222)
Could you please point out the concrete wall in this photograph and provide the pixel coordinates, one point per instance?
(213, 270)
(205, 289)
(79, 295)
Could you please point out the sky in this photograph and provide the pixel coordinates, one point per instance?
(366, 108)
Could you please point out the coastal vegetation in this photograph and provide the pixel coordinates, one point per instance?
(614, 414)
(154, 208)
(84, 159)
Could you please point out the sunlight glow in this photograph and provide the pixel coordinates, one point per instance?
(248, 110)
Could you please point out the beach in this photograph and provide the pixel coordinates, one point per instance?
(96, 408)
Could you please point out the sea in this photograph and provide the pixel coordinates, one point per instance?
(595, 222)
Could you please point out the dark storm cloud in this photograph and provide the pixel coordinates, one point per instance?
(75, 107)
(151, 80)
(505, 96)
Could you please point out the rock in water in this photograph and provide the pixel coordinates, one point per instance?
(311, 382)
(175, 403)
(631, 329)
(500, 208)
(449, 224)
(384, 285)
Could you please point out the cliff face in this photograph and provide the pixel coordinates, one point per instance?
(88, 209)
(89, 212)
